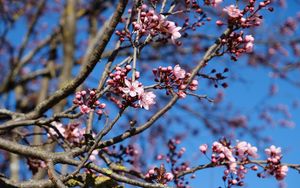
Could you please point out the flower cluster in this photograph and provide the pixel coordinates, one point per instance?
(238, 44)
(147, 99)
(174, 78)
(73, 133)
(223, 153)
(133, 88)
(59, 131)
(235, 158)
(245, 150)
(274, 166)
(87, 102)
(159, 174)
(246, 17)
(148, 22)
(174, 157)
(130, 91)
(154, 24)
(233, 12)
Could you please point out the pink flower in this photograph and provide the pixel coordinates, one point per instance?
(147, 99)
(272, 150)
(76, 135)
(194, 85)
(169, 176)
(203, 148)
(179, 72)
(169, 27)
(229, 155)
(160, 157)
(59, 127)
(181, 94)
(274, 154)
(85, 109)
(151, 172)
(281, 172)
(249, 47)
(232, 167)
(249, 38)
(93, 155)
(133, 88)
(219, 148)
(232, 11)
(173, 30)
(244, 148)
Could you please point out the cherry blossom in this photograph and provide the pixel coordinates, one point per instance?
(274, 154)
(233, 11)
(59, 127)
(179, 72)
(249, 38)
(152, 23)
(177, 78)
(171, 28)
(147, 99)
(169, 176)
(133, 88)
(244, 149)
(249, 45)
(94, 155)
(87, 102)
(84, 109)
(281, 172)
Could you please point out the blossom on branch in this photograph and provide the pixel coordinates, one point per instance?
(170, 28)
(233, 11)
(152, 24)
(59, 127)
(133, 88)
(178, 72)
(147, 99)
(244, 149)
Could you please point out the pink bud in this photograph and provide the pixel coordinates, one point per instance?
(92, 93)
(137, 74)
(78, 96)
(234, 182)
(219, 23)
(203, 148)
(102, 105)
(254, 167)
(160, 157)
(128, 67)
(151, 172)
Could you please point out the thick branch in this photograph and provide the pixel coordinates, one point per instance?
(87, 69)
